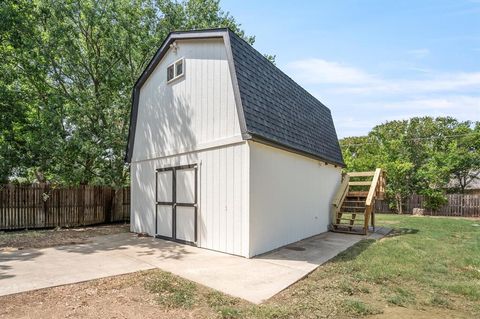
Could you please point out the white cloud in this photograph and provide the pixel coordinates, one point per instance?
(436, 82)
(317, 71)
(351, 80)
(359, 99)
(360, 118)
(450, 103)
(419, 53)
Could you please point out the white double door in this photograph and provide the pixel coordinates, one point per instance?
(176, 203)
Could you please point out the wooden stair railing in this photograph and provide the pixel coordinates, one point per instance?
(340, 196)
(353, 201)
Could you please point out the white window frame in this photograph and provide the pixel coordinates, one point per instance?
(175, 75)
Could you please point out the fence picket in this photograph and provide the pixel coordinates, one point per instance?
(461, 205)
(42, 206)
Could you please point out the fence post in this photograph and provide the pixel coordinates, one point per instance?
(107, 204)
(81, 213)
(45, 204)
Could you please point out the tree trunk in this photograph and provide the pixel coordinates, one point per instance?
(40, 176)
(463, 184)
(398, 199)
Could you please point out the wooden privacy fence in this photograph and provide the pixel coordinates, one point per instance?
(463, 205)
(45, 206)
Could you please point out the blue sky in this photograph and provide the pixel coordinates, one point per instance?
(373, 61)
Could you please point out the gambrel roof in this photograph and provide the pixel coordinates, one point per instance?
(272, 108)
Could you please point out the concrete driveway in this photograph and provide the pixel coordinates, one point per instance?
(254, 279)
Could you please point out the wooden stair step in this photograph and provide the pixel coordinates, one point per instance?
(350, 209)
(353, 207)
(358, 213)
(352, 219)
(348, 225)
(355, 231)
(356, 194)
(361, 174)
(362, 183)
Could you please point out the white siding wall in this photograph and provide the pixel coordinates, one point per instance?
(252, 198)
(191, 113)
(290, 197)
(223, 196)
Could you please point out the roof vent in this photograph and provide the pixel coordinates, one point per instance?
(174, 46)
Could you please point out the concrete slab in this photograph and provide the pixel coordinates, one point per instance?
(254, 279)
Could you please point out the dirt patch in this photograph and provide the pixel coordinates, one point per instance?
(408, 313)
(157, 294)
(16, 240)
(115, 297)
(146, 294)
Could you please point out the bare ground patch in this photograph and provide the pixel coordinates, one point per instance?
(125, 296)
(114, 297)
(14, 240)
(157, 294)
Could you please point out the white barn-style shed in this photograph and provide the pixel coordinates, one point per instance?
(226, 151)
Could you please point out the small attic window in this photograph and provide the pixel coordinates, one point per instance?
(175, 70)
(170, 73)
(179, 68)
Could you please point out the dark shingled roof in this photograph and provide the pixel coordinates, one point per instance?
(272, 107)
(278, 109)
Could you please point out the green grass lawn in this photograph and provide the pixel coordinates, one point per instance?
(428, 266)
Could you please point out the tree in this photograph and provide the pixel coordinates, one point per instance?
(463, 159)
(66, 79)
(30, 123)
(420, 155)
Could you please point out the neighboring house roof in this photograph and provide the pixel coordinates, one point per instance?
(272, 108)
(474, 184)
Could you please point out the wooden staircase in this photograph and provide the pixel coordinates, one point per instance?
(354, 203)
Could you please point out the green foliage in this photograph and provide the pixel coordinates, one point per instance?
(67, 72)
(270, 58)
(435, 198)
(421, 155)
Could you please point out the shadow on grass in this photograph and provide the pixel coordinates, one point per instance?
(357, 249)
(401, 231)
(353, 252)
